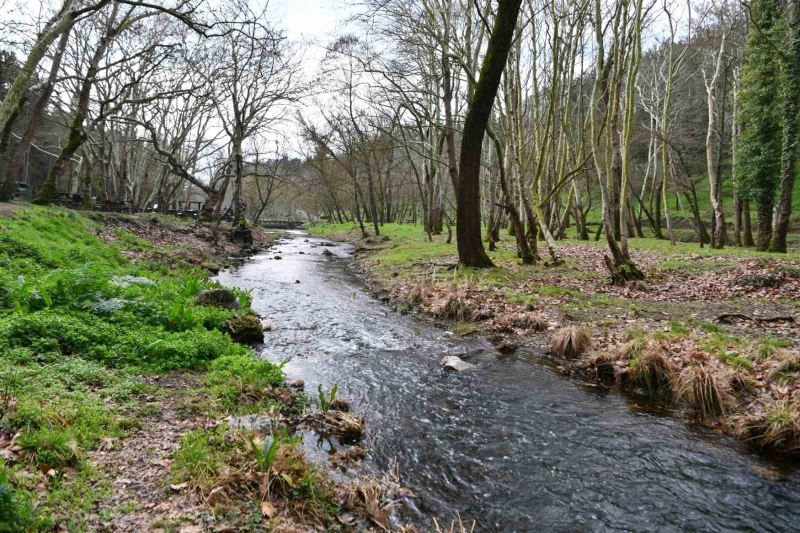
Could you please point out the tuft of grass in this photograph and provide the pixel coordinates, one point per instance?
(785, 369)
(242, 383)
(571, 341)
(529, 321)
(453, 304)
(775, 426)
(416, 295)
(201, 457)
(677, 328)
(227, 466)
(710, 327)
(649, 364)
(769, 346)
(706, 388)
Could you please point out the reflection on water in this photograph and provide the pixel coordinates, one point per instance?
(512, 444)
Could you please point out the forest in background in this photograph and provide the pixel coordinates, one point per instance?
(669, 119)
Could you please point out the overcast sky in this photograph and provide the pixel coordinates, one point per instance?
(311, 25)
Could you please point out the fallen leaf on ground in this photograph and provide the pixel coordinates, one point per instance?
(267, 509)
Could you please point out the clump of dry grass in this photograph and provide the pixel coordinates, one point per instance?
(348, 427)
(456, 526)
(452, 304)
(416, 295)
(345, 458)
(785, 365)
(706, 388)
(649, 364)
(571, 341)
(229, 468)
(370, 496)
(775, 426)
(528, 321)
(376, 497)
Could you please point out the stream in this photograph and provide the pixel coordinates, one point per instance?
(511, 444)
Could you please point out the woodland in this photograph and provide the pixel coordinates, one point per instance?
(609, 185)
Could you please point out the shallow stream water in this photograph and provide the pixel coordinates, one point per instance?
(511, 444)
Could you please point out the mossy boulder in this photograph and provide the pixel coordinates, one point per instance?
(245, 329)
(222, 298)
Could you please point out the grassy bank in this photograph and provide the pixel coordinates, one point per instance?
(711, 330)
(115, 384)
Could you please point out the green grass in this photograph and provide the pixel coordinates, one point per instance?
(78, 323)
(409, 257)
(201, 456)
(409, 243)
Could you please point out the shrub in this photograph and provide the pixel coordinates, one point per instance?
(57, 331)
(186, 349)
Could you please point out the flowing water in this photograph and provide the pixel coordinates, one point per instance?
(511, 444)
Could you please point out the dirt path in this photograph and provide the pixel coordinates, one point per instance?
(7, 208)
(138, 467)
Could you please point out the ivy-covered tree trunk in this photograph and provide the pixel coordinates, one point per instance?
(760, 142)
(8, 186)
(53, 29)
(77, 137)
(791, 104)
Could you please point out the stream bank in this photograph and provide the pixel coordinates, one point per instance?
(123, 391)
(511, 444)
(713, 331)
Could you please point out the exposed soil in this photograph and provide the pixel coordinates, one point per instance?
(8, 208)
(189, 241)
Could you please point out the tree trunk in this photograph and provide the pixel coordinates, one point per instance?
(238, 171)
(737, 218)
(55, 27)
(373, 211)
(712, 147)
(523, 247)
(747, 225)
(791, 103)
(77, 132)
(76, 138)
(468, 205)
